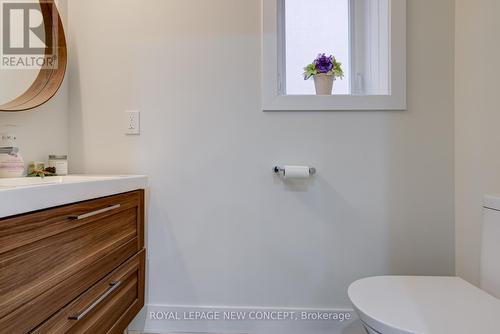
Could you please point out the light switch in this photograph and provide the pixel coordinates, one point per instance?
(132, 122)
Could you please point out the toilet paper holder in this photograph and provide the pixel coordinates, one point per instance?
(281, 170)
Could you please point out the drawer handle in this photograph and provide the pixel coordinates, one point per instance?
(95, 213)
(81, 315)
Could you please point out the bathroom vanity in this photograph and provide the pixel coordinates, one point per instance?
(72, 254)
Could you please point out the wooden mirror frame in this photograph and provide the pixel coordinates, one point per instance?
(49, 80)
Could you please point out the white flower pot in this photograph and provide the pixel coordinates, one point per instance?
(324, 84)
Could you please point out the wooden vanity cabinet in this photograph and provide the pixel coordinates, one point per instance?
(78, 268)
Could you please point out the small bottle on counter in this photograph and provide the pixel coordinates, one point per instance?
(60, 163)
(11, 162)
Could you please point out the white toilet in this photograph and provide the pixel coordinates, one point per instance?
(436, 305)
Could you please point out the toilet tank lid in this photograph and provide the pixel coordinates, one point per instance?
(492, 202)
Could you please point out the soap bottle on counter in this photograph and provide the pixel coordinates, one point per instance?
(11, 162)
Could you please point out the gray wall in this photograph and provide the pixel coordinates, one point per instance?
(221, 229)
(477, 119)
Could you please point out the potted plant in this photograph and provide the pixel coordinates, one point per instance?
(324, 70)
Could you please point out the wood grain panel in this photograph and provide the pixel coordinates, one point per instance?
(30, 270)
(110, 314)
(22, 230)
(36, 311)
(47, 259)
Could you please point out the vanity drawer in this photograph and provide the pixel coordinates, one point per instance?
(48, 258)
(108, 307)
(21, 230)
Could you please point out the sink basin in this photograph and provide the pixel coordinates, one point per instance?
(38, 181)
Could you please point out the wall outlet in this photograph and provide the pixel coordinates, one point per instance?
(132, 122)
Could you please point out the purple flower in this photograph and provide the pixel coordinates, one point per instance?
(323, 63)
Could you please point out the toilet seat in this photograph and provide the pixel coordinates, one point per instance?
(424, 305)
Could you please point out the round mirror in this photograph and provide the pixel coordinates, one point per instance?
(33, 53)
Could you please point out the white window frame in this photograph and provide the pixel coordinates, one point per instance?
(273, 98)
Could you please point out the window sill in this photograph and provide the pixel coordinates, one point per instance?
(334, 103)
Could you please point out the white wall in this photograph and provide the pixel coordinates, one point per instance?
(222, 230)
(44, 130)
(477, 119)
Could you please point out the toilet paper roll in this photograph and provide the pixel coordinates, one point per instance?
(296, 172)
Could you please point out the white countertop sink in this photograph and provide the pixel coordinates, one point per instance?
(22, 195)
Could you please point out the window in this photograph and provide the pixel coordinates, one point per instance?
(367, 36)
(306, 37)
